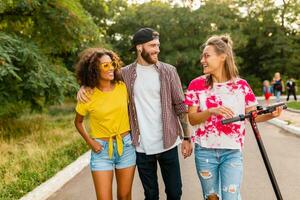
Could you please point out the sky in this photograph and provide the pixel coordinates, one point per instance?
(196, 3)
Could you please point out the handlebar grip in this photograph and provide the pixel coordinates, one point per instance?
(234, 119)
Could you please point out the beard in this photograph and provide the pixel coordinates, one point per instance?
(147, 57)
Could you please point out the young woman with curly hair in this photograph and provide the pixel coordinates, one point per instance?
(110, 138)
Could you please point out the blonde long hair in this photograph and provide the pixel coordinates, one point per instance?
(223, 45)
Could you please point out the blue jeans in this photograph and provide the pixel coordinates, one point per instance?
(277, 94)
(170, 170)
(220, 172)
(102, 162)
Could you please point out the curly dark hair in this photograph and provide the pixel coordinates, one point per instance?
(87, 71)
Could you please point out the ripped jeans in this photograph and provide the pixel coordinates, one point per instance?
(220, 172)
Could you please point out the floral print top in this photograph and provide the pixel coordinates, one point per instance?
(236, 95)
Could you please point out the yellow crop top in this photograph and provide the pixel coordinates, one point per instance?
(108, 114)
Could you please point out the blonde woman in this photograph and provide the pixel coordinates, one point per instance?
(277, 86)
(217, 95)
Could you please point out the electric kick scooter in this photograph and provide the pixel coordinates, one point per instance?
(251, 116)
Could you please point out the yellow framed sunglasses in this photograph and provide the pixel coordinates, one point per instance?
(108, 65)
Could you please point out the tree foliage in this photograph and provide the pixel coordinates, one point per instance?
(261, 43)
(58, 26)
(271, 40)
(40, 40)
(36, 73)
(182, 31)
(27, 77)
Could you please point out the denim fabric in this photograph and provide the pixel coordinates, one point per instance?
(170, 170)
(277, 94)
(101, 161)
(220, 172)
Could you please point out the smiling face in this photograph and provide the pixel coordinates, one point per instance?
(212, 62)
(149, 51)
(106, 67)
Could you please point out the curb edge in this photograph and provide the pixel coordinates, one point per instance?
(46, 189)
(284, 125)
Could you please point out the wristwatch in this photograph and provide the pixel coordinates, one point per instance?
(187, 138)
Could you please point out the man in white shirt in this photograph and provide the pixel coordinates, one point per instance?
(158, 116)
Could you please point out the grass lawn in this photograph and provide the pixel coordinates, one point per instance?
(35, 147)
(294, 105)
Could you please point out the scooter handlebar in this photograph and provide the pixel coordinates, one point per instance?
(272, 108)
(234, 119)
(260, 111)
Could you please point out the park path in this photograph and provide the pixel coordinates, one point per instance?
(283, 150)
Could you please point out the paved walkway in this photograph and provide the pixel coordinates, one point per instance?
(283, 151)
(291, 117)
(82, 188)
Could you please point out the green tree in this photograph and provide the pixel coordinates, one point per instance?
(271, 41)
(28, 78)
(58, 26)
(182, 31)
(34, 73)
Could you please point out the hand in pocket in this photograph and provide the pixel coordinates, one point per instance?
(96, 147)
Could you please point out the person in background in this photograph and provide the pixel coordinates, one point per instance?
(110, 138)
(220, 94)
(277, 86)
(291, 89)
(267, 91)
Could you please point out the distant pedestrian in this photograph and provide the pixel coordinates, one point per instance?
(291, 89)
(277, 86)
(267, 91)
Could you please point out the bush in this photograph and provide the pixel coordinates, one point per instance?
(255, 84)
(28, 78)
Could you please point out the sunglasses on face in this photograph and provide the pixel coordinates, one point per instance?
(108, 65)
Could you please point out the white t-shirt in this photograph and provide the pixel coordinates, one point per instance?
(148, 107)
(236, 95)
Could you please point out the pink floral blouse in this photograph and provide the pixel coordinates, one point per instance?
(237, 95)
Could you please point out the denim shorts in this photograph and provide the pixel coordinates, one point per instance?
(102, 162)
(220, 172)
